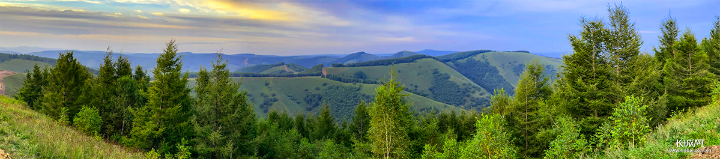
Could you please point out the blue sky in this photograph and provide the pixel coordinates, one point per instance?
(280, 27)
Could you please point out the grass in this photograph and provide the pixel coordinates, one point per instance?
(702, 123)
(13, 83)
(506, 61)
(417, 73)
(19, 65)
(295, 87)
(25, 133)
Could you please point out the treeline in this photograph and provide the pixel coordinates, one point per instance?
(461, 55)
(344, 79)
(246, 74)
(384, 62)
(490, 79)
(259, 68)
(315, 70)
(7, 57)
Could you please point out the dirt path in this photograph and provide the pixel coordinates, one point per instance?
(3, 74)
(708, 152)
(4, 155)
(324, 72)
(246, 63)
(286, 68)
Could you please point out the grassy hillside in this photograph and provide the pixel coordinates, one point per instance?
(19, 65)
(703, 123)
(427, 77)
(25, 133)
(285, 69)
(358, 57)
(495, 70)
(307, 94)
(13, 83)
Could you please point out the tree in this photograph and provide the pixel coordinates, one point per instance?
(532, 88)
(711, 46)
(568, 143)
(325, 128)
(31, 92)
(128, 97)
(491, 140)
(102, 92)
(88, 120)
(360, 122)
(623, 46)
(500, 102)
(667, 40)
(628, 125)
(690, 80)
(588, 88)
(164, 120)
(224, 119)
(388, 116)
(66, 82)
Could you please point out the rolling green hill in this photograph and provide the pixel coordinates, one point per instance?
(285, 69)
(20, 65)
(307, 94)
(495, 70)
(427, 77)
(13, 83)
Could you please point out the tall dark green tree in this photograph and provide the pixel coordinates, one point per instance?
(224, 119)
(165, 119)
(325, 128)
(711, 46)
(690, 82)
(31, 91)
(128, 97)
(102, 93)
(666, 49)
(523, 120)
(389, 115)
(360, 122)
(65, 84)
(623, 46)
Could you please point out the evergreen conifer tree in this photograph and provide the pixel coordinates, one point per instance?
(165, 119)
(667, 40)
(623, 46)
(532, 88)
(65, 83)
(360, 122)
(690, 82)
(31, 91)
(711, 46)
(224, 119)
(389, 115)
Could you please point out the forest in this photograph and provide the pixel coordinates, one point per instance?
(607, 96)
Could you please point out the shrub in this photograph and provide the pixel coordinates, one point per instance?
(628, 124)
(569, 143)
(88, 120)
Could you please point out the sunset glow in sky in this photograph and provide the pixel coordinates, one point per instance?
(326, 27)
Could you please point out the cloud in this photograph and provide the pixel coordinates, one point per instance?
(157, 14)
(184, 10)
(142, 17)
(138, 11)
(390, 39)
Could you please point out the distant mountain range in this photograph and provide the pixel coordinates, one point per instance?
(193, 61)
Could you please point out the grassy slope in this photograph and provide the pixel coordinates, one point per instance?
(417, 73)
(704, 123)
(296, 88)
(19, 65)
(13, 83)
(25, 133)
(500, 61)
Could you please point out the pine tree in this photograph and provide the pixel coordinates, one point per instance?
(690, 83)
(165, 118)
(647, 83)
(224, 119)
(389, 115)
(711, 46)
(31, 92)
(360, 122)
(65, 83)
(623, 46)
(532, 88)
(325, 128)
(670, 33)
(129, 97)
(102, 93)
(588, 87)
(142, 79)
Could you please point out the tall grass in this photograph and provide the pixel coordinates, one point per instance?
(25, 133)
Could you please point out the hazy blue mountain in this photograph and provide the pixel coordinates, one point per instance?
(432, 52)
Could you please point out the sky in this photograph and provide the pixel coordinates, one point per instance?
(304, 27)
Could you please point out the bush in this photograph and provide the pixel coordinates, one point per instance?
(88, 120)
(569, 143)
(628, 124)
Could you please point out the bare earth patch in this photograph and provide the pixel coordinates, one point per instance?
(3, 74)
(708, 152)
(4, 155)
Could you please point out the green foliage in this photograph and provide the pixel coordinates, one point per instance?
(628, 125)
(360, 122)
(388, 116)
(522, 115)
(315, 70)
(666, 49)
(491, 140)
(385, 62)
(490, 78)
(259, 68)
(687, 77)
(65, 84)
(500, 102)
(6, 57)
(31, 91)
(447, 91)
(164, 119)
(711, 46)
(88, 120)
(224, 120)
(568, 143)
(461, 55)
